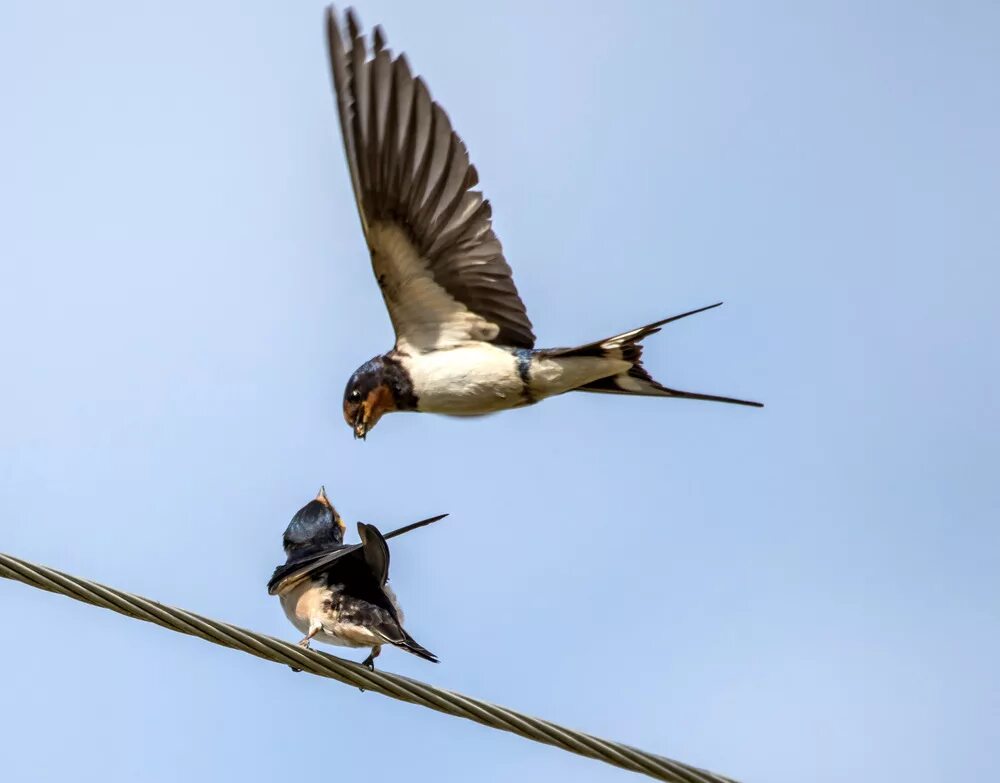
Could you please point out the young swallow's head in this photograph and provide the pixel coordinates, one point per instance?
(316, 525)
(378, 386)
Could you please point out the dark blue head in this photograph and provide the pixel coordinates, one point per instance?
(316, 525)
(378, 386)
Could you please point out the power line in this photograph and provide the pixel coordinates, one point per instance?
(324, 665)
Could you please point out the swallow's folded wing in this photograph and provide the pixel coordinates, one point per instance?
(299, 568)
(440, 266)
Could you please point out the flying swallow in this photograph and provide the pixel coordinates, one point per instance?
(464, 344)
(337, 593)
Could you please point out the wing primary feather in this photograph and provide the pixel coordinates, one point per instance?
(390, 144)
(402, 103)
(451, 191)
(414, 525)
(353, 23)
(471, 175)
(361, 114)
(439, 156)
(378, 35)
(423, 147)
(380, 82)
(339, 67)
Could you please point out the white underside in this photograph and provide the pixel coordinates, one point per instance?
(304, 607)
(478, 378)
(468, 380)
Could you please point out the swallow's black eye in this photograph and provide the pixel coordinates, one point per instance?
(354, 396)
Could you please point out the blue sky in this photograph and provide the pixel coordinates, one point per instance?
(806, 592)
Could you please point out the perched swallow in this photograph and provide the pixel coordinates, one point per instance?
(337, 593)
(464, 344)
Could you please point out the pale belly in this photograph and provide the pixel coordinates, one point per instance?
(467, 381)
(309, 605)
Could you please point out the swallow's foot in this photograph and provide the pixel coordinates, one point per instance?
(370, 660)
(304, 644)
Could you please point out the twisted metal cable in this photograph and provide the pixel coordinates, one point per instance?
(324, 665)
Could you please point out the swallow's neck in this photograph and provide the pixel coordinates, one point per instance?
(398, 381)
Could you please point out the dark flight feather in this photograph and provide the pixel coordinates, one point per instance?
(376, 552)
(410, 169)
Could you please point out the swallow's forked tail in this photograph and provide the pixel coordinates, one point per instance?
(636, 380)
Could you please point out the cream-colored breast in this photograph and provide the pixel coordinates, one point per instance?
(304, 604)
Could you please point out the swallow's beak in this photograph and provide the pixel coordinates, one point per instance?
(378, 402)
(360, 426)
(322, 498)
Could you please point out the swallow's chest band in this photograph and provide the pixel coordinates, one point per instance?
(523, 357)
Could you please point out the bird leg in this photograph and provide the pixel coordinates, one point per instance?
(370, 660)
(305, 643)
(312, 632)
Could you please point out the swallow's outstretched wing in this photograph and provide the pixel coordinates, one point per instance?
(309, 563)
(440, 266)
